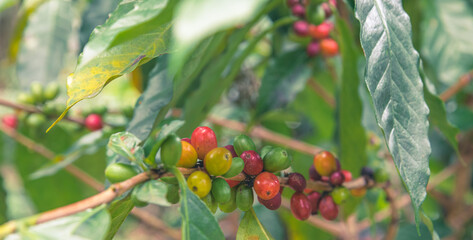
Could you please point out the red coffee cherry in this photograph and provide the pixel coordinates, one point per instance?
(328, 209)
(320, 31)
(325, 179)
(186, 140)
(10, 121)
(266, 185)
(273, 203)
(325, 163)
(313, 174)
(314, 198)
(203, 139)
(232, 183)
(232, 150)
(329, 47)
(301, 28)
(347, 175)
(296, 181)
(93, 122)
(298, 11)
(313, 49)
(301, 207)
(336, 178)
(253, 162)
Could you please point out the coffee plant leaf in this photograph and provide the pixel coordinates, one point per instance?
(118, 210)
(152, 192)
(127, 145)
(251, 228)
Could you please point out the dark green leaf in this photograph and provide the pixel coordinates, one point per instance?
(152, 192)
(157, 95)
(197, 220)
(251, 228)
(351, 134)
(282, 81)
(447, 38)
(118, 210)
(3, 202)
(393, 79)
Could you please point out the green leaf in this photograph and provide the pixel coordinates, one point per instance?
(426, 220)
(283, 79)
(5, 4)
(45, 37)
(447, 38)
(83, 225)
(351, 134)
(251, 228)
(136, 32)
(118, 210)
(157, 95)
(3, 202)
(197, 220)
(152, 192)
(127, 145)
(393, 79)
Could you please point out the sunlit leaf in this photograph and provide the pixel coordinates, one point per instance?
(251, 228)
(127, 145)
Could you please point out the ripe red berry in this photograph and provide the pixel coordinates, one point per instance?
(273, 203)
(313, 174)
(347, 175)
(232, 183)
(298, 11)
(313, 49)
(253, 162)
(329, 47)
(314, 198)
(232, 150)
(321, 31)
(301, 207)
(266, 185)
(301, 28)
(203, 139)
(325, 163)
(296, 181)
(10, 121)
(186, 140)
(328, 209)
(93, 122)
(337, 178)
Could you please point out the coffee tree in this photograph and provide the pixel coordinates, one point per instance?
(263, 119)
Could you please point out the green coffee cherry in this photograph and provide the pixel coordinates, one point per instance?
(244, 197)
(276, 160)
(243, 143)
(236, 168)
(172, 194)
(221, 191)
(25, 98)
(171, 150)
(37, 92)
(340, 195)
(51, 91)
(209, 200)
(381, 175)
(265, 150)
(118, 172)
(35, 120)
(229, 206)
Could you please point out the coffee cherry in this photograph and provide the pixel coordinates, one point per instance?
(232, 183)
(243, 143)
(296, 181)
(218, 161)
(336, 178)
(236, 168)
(313, 48)
(221, 191)
(367, 172)
(327, 208)
(300, 206)
(35, 120)
(301, 28)
(51, 91)
(273, 203)
(199, 183)
(231, 205)
(381, 175)
(276, 160)
(171, 150)
(172, 194)
(358, 192)
(10, 121)
(324, 163)
(347, 175)
(188, 157)
(291, 3)
(187, 140)
(203, 140)
(327, 10)
(329, 47)
(253, 162)
(232, 150)
(313, 174)
(314, 198)
(298, 11)
(266, 185)
(244, 197)
(93, 122)
(37, 92)
(265, 150)
(321, 31)
(325, 179)
(118, 172)
(340, 195)
(25, 98)
(211, 203)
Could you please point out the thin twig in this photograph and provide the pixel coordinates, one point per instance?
(455, 88)
(321, 92)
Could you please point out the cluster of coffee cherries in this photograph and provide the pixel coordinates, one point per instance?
(217, 166)
(319, 32)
